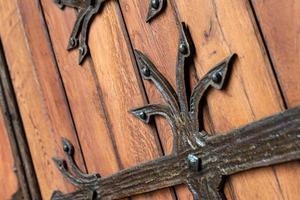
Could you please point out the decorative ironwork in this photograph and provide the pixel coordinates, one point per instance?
(199, 160)
(155, 8)
(86, 11)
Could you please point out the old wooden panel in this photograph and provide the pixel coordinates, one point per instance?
(108, 83)
(9, 181)
(39, 93)
(281, 33)
(220, 28)
(153, 39)
(53, 92)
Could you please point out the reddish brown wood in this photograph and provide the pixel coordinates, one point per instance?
(107, 83)
(39, 92)
(7, 172)
(281, 34)
(218, 28)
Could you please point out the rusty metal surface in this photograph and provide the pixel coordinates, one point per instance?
(86, 10)
(198, 160)
(155, 8)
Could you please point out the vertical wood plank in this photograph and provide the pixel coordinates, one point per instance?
(159, 41)
(109, 84)
(39, 93)
(280, 25)
(121, 90)
(220, 28)
(23, 165)
(8, 177)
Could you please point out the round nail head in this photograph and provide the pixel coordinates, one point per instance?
(155, 4)
(143, 115)
(183, 48)
(146, 71)
(217, 77)
(66, 148)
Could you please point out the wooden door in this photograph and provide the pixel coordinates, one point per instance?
(89, 104)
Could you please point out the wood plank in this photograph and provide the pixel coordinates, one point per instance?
(7, 173)
(280, 25)
(23, 165)
(154, 41)
(121, 91)
(220, 28)
(108, 83)
(281, 34)
(39, 93)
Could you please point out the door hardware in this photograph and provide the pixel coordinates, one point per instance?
(198, 159)
(87, 9)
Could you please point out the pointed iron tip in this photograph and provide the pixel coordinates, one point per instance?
(83, 51)
(155, 8)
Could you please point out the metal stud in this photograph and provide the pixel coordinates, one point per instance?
(217, 77)
(194, 163)
(155, 4)
(183, 48)
(143, 115)
(146, 71)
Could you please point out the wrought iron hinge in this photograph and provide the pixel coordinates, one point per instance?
(86, 10)
(199, 160)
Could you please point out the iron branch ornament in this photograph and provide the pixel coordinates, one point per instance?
(199, 160)
(87, 9)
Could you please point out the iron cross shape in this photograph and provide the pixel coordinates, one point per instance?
(199, 160)
(86, 10)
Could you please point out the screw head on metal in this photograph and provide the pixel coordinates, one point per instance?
(183, 48)
(155, 4)
(146, 71)
(194, 162)
(217, 77)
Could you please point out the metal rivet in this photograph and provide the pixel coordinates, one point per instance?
(183, 48)
(194, 163)
(81, 50)
(66, 148)
(142, 115)
(155, 4)
(146, 71)
(217, 77)
(72, 42)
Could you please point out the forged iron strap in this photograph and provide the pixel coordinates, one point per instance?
(199, 160)
(86, 10)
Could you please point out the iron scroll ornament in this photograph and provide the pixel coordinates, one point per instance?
(87, 9)
(199, 160)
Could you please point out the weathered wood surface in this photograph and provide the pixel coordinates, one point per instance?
(53, 92)
(281, 34)
(154, 40)
(218, 28)
(260, 144)
(101, 92)
(9, 181)
(14, 131)
(39, 92)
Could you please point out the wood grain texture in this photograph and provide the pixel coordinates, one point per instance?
(259, 144)
(23, 165)
(101, 92)
(281, 34)
(220, 28)
(121, 90)
(39, 92)
(7, 172)
(159, 41)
